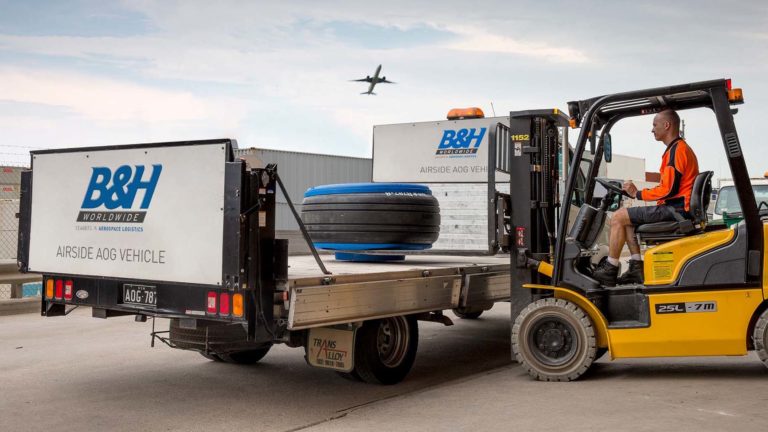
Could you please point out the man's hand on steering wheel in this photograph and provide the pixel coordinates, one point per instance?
(614, 187)
(630, 188)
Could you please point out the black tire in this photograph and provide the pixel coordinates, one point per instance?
(600, 352)
(372, 218)
(554, 340)
(760, 337)
(385, 349)
(211, 337)
(246, 357)
(211, 356)
(351, 376)
(468, 313)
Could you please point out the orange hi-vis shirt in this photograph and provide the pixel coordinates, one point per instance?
(679, 168)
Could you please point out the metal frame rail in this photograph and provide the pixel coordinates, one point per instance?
(324, 301)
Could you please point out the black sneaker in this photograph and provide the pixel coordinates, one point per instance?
(606, 273)
(634, 275)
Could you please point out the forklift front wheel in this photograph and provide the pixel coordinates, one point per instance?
(760, 337)
(554, 340)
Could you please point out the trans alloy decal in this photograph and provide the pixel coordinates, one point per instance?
(115, 193)
(688, 307)
(461, 142)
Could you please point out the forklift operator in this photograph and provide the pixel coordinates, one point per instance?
(679, 169)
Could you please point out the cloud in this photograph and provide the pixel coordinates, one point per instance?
(103, 99)
(479, 41)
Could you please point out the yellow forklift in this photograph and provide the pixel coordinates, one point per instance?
(704, 292)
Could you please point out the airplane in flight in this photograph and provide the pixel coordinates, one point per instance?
(374, 80)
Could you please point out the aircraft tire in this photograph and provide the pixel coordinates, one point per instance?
(407, 220)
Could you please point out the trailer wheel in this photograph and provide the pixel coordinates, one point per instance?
(385, 349)
(246, 357)
(216, 341)
(554, 340)
(211, 356)
(468, 313)
(351, 376)
(760, 337)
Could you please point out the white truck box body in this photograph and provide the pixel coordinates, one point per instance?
(451, 157)
(189, 191)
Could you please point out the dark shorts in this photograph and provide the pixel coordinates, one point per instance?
(652, 214)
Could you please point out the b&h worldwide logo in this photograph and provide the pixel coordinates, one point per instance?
(115, 193)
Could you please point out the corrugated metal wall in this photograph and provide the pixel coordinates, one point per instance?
(300, 171)
(463, 206)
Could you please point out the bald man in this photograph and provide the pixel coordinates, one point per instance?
(679, 169)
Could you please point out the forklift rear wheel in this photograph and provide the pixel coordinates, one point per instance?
(554, 340)
(468, 313)
(246, 357)
(385, 349)
(760, 337)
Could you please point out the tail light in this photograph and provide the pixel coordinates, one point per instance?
(211, 308)
(237, 305)
(224, 304)
(68, 290)
(59, 289)
(49, 288)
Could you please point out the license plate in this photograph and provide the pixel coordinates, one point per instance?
(141, 295)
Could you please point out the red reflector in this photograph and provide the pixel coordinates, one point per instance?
(520, 237)
(728, 84)
(68, 290)
(59, 289)
(224, 304)
(211, 302)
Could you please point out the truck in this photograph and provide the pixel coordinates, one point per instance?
(727, 201)
(185, 232)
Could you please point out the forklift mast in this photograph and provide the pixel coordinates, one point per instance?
(539, 148)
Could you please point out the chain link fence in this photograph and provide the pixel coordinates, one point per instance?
(10, 180)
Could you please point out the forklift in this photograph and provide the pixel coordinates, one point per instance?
(704, 292)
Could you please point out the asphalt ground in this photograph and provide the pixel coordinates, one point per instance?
(81, 373)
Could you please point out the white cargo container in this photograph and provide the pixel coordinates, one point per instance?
(451, 157)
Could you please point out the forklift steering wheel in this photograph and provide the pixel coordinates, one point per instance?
(612, 187)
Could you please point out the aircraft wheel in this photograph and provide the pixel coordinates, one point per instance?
(760, 337)
(554, 340)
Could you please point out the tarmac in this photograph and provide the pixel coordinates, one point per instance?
(86, 373)
(19, 306)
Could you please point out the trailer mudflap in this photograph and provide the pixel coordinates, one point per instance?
(332, 348)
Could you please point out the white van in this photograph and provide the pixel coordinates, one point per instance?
(728, 202)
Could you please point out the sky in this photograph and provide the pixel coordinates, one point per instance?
(276, 74)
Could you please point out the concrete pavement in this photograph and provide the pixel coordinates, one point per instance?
(80, 373)
(690, 394)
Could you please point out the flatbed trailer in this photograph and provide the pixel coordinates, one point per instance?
(184, 231)
(418, 285)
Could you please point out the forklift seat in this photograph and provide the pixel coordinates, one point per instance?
(681, 227)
